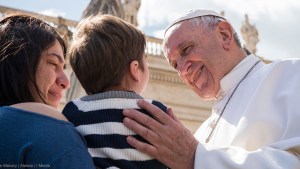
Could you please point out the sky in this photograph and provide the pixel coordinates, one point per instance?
(276, 20)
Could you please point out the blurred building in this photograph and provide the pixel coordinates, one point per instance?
(164, 83)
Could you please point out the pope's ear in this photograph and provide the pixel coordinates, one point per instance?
(134, 70)
(227, 34)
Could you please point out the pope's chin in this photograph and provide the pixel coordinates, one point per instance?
(204, 94)
(206, 97)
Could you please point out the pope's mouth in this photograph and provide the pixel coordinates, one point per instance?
(198, 74)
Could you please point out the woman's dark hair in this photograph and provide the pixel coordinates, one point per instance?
(23, 38)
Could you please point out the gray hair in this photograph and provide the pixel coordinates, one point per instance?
(209, 23)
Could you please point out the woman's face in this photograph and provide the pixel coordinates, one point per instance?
(50, 77)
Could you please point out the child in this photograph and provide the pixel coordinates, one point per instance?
(108, 58)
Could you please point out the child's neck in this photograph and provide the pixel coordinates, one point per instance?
(119, 88)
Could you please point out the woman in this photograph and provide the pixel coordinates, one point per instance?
(33, 133)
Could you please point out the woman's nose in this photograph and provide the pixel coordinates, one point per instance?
(63, 81)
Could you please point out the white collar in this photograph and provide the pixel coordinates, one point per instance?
(236, 74)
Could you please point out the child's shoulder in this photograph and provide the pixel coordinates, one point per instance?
(158, 104)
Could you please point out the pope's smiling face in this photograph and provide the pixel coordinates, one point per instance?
(198, 56)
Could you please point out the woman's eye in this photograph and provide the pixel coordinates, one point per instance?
(52, 63)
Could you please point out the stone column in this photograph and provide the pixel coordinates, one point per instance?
(250, 35)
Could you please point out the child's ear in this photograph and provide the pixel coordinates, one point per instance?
(134, 70)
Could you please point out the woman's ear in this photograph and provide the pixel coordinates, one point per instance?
(226, 33)
(134, 70)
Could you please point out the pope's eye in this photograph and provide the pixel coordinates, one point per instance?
(185, 51)
(175, 65)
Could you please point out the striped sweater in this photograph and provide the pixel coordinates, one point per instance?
(99, 119)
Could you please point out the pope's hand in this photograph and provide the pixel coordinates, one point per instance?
(170, 142)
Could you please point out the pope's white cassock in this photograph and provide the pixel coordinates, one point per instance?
(260, 126)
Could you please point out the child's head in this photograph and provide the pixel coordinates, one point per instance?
(107, 53)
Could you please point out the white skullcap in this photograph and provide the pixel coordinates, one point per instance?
(193, 14)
